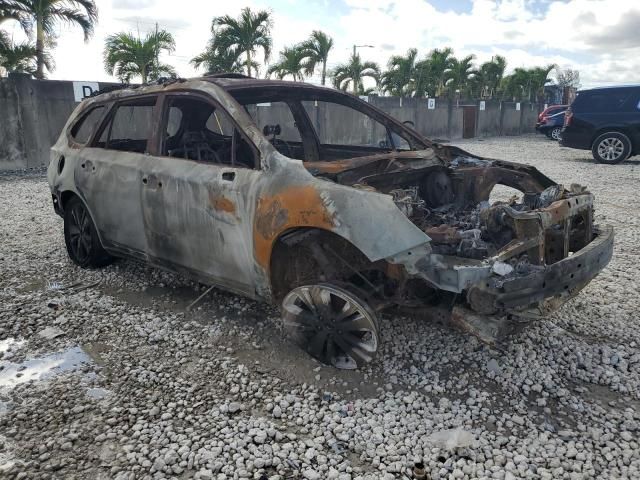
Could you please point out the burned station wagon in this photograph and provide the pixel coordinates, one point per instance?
(316, 201)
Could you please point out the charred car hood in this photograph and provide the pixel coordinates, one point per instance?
(394, 168)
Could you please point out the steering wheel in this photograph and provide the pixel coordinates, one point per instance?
(196, 147)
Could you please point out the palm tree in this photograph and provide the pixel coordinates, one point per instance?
(21, 58)
(353, 72)
(399, 79)
(245, 34)
(459, 75)
(488, 76)
(526, 84)
(45, 14)
(9, 10)
(538, 79)
(291, 63)
(439, 63)
(511, 85)
(423, 81)
(127, 56)
(316, 49)
(216, 60)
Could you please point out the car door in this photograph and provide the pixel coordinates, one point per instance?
(630, 116)
(199, 194)
(109, 175)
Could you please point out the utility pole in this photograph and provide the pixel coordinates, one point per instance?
(157, 52)
(360, 46)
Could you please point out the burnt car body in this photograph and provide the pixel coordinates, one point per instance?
(312, 199)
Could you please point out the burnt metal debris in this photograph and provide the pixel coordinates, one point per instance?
(333, 231)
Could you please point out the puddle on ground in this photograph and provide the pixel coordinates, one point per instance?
(38, 368)
(10, 344)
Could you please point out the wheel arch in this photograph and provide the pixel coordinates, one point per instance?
(66, 196)
(617, 129)
(283, 254)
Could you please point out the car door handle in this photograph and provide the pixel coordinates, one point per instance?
(228, 176)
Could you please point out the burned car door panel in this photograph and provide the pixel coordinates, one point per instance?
(110, 175)
(197, 219)
(195, 210)
(306, 195)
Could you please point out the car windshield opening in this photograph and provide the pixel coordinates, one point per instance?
(312, 127)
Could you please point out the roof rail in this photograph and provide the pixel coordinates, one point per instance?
(110, 88)
(227, 75)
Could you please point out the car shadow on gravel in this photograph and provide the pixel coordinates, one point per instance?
(270, 352)
(634, 161)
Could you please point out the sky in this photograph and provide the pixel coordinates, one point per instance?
(600, 38)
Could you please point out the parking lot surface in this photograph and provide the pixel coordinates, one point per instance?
(104, 374)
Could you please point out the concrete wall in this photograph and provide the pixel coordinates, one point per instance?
(530, 113)
(33, 112)
(11, 140)
(489, 119)
(511, 116)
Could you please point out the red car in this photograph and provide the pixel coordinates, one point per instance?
(550, 121)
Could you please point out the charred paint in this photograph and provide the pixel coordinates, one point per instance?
(294, 207)
(222, 203)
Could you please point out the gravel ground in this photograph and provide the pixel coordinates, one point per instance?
(103, 374)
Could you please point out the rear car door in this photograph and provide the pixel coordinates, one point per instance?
(630, 116)
(110, 174)
(199, 193)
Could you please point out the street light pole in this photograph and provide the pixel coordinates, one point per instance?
(360, 46)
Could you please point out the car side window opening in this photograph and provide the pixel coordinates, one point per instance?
(343, 126)
(195, 129)
(82, 130)
(130, 126)
(276, 121)
(312, 128)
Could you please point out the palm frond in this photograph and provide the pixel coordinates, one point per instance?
(127, 56)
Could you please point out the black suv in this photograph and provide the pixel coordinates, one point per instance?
(605, 121)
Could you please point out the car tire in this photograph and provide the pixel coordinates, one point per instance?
(555, 133)
(332, 323)
(81, 237)
(611, 148)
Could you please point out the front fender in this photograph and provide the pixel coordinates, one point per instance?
(369, 220)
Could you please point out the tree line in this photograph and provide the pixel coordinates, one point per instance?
(236, 44)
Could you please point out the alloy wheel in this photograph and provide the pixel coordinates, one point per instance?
(331, 324)
(80, 233)
(611, 149)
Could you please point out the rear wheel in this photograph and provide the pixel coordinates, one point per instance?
(332, 324)
(555, 133)
(611, 148)
(81, 237)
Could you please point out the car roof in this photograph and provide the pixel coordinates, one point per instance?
(236, 82)
(609, 87)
